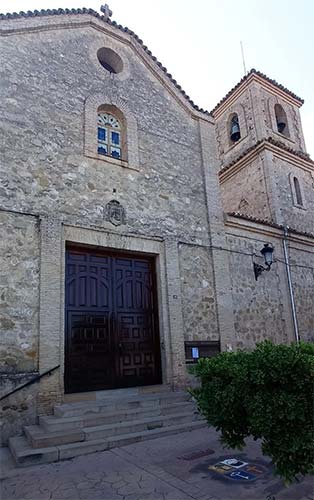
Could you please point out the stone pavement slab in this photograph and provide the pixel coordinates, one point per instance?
(168, 468)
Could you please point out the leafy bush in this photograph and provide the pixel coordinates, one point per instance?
(266, 393)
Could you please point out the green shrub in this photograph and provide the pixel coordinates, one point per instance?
(267, 394)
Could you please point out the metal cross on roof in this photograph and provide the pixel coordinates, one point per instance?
(106, 11)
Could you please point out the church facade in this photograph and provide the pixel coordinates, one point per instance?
(132, 222)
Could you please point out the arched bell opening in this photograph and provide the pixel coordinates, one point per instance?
(234, 128)
(281, 120)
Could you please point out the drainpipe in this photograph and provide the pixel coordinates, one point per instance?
(294, 313)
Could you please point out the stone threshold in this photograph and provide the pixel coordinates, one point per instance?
(115, 393)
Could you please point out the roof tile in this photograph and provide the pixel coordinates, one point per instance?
(53, 12)
(49, 12)
(262, 75)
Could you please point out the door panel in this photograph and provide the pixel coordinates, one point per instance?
(112, 335)
(89, 351)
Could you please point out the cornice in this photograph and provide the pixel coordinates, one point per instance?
(267, 228)
(297, 158)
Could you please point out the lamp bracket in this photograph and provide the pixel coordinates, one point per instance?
(258, 269)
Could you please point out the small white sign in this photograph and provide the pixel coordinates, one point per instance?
(234, 462)
(195, 353)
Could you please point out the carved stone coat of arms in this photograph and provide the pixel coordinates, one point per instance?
(115, 213)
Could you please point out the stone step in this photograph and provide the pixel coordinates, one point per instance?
(146, 424)
(25, 455)
(151, 400)
(56, 424)
(124, 440)
(40, 438)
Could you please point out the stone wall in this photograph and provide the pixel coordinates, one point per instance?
(258, 309)
(262, 308)
(245, 190)
(19, 320)
(198, 293)
(19, 293)
(302, 273)
(49, 171)
(299, 217)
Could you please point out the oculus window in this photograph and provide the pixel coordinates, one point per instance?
(110, 60)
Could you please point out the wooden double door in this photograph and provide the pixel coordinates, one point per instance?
(111, 321)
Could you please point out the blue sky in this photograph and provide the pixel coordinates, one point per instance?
(199, 42)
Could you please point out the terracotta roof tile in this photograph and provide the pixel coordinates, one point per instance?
(56, 12)
(267, 222)
(262, 75)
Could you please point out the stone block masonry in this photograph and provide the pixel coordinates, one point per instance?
(262, 308)
(198, 293)
(19, 317)
(19, 293)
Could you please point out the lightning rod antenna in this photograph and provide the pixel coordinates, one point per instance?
(243, 60)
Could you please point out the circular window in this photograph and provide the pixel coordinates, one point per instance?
(110, 60)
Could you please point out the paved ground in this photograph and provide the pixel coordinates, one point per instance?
(169, 468)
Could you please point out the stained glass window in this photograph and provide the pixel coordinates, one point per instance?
(102, 134)
(109, 135)
(115, 138)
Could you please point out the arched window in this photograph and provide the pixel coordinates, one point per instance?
(281, 120)
(297, 190)
(109, 135)
(234, 131)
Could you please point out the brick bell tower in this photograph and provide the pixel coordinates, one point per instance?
(265, 170)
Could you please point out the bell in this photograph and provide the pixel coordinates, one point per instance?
(235, 132)
(281, 126)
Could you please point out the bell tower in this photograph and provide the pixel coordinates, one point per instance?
(265, 170)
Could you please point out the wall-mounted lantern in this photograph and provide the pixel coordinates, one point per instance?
(267, 252)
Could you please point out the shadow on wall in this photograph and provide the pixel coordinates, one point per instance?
(18, 409)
